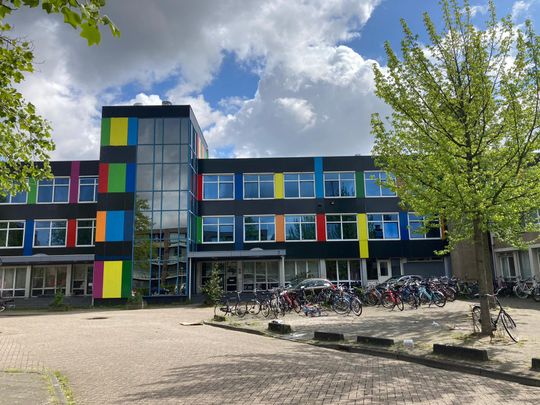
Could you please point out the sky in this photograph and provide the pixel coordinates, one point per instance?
(264, 78)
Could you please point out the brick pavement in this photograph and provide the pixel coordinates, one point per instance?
(147, 357)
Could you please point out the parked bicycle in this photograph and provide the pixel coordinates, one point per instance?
(502, 318)
(231, 306)
(6, 303)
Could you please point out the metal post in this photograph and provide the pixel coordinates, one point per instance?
(282, 272)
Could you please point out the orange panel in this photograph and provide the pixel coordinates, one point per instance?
(101, 220)
(280, 228)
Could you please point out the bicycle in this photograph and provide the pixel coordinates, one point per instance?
(6, 303)
(502, 316)
(231, 306)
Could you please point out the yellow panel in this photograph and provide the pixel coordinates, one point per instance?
(363, 236)
(112, 279)
(119, 131)
(278, 184)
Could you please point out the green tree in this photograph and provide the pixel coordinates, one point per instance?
(25, 137)
(463, 136)
(214, 287)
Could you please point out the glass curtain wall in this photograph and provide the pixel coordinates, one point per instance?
(163, 205)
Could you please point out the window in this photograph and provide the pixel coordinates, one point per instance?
(12, 282)
(218, 187)
(299, 185)
(299, 270)
(417, 231)
(258, 186)
(11, 234)
(88, 187)
(259, 228)
(339, 184)
(81, 279)
(341, 227)
(50, 233)
(383, 226)
(373, 188)
(48, 280)
(300, 227)
(218, 229)
(55, 190)
(343, 271)
(19, 198)
(260, 275)
(86, 230)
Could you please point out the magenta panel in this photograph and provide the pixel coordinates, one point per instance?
(97, 289)
(74, 182)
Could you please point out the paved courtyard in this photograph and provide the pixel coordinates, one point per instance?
(148, 357)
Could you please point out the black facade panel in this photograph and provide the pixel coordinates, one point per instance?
(256, 165)
(351, 163)
(89, 168)
(61, 168)
(382, 205)
(63, 250)
(118, 154)
(404, 248)
(115, 202)
(147, 111)
(48, 211)
(113, 249)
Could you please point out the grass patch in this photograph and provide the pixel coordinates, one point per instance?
(66, 389)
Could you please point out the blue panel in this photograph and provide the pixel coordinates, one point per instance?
(238, 186)
(238, 232)
(114, 231)
(28, 237)
(130, 178)
(403, 223)
(319, 182)
(128, 225)
(133, 129)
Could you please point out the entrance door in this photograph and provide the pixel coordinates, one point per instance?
(384, 270)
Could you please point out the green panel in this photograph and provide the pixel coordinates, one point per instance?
(117, 178)
(105, 132)
(126, 278)
(199, 230)
(33, 191)
(360, 185)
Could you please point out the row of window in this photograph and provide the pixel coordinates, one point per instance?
(295, 185)
(47, 233)
(262, 228)
(56, 190)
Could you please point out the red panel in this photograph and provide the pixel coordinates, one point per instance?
(199, 187)
(103, 177)
(71, 232)
(321, 228)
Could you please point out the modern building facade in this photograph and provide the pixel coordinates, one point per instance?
(156, 215)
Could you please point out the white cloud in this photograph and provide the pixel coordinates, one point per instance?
(520, 7)
(479, 9)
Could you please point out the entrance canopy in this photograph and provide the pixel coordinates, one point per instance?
(46, 259)
(238, 254)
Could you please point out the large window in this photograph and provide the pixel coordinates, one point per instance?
(19, 198)
(86, 230)
(258, 186)
(339, 184)
(12, 281)
(299, 185)
(259, 228)
(11, 234)
(50, 233)
(300, 227)
(218, 187)
(55, 190)
(374, 188)
(88, 188)
(341, 227)
(383, 226)
(299, 270)
(48, 280)
(262, 275)
(343, 271)
(417, 229)
(218, 229)
(81, 279)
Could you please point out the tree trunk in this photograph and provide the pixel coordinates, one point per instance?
(483, 271)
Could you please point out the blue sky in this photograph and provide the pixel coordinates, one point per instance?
(265, 78)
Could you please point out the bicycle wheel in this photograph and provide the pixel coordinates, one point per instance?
(241, 309)
(370, 299)
(388, 301)
(477, 325)
(2, 308)
(509, 326)
(296, 306)
(399, 303)
(254, 307)
(450, 294)
(439, 299)
(520, 292)
(265, 309)
(356, 306)
(341, 306)
(412, 300)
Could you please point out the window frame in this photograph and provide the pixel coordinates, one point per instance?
(218, 225)
(93, 231)
(341, 226)
(53, 188)
(298, 182)
(96, 184)
(383, 222)
(380, 187)
(218, 184)
(7, 233)
(10, 199)
(259, 186)
(340, 172)
(418, 235)
(259, 224)
(300, 227)
(50, 230)
(13, 289)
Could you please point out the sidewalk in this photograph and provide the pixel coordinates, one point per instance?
(426, 326)
(24, 388)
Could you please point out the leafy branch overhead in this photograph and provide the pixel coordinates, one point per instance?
(25, 137)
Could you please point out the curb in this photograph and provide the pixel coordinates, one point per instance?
(429, 362)
(59, 392)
